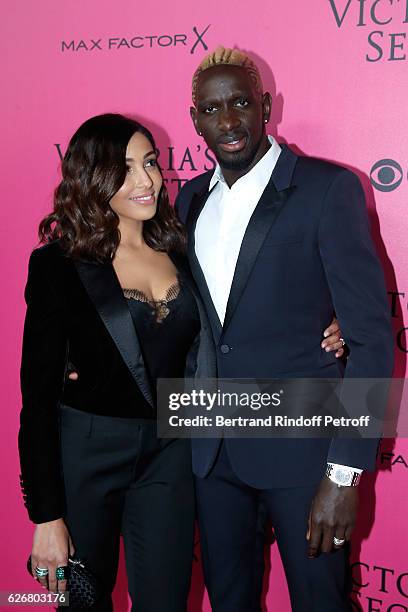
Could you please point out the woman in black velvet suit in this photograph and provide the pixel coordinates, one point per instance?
(109, 294)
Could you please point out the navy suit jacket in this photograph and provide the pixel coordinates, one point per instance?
(307, 253)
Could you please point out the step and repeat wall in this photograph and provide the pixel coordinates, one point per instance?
(338, 74)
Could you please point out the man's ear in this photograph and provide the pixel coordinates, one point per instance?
(266, 106)
(193, 115)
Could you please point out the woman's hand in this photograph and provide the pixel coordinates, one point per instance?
(332, 339)
(52, 545)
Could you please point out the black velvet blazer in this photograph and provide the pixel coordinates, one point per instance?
(76, 313)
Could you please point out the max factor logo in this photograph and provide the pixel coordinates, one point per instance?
(386, 175)
(383, 13)
(193, 41)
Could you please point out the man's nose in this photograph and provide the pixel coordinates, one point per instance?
(228, 120)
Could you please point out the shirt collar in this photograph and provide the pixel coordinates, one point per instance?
(259, 174)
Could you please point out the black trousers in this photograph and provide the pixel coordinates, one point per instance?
(120, 479)
(228, 512)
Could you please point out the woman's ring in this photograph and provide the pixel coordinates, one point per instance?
(41, 572)
(61, 572)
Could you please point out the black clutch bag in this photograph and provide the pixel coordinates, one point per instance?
(84, 589)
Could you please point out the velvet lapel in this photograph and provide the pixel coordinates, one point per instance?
(264, 216)
(102, 286)
(196, 206)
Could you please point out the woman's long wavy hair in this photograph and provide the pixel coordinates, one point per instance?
(93, 170)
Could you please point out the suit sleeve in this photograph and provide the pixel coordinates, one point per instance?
(356, 282)
(42, 376)
(182, 202)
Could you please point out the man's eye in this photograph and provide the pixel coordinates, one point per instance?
(210, 109)
(242, 102)
(151, 163)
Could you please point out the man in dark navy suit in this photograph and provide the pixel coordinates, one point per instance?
(277, 243)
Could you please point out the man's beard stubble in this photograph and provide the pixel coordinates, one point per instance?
(240, 161)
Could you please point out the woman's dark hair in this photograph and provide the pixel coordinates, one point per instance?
(93, 170)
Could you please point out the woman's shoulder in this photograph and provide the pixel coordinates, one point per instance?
(49, 255)
(49, 249)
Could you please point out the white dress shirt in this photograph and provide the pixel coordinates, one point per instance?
(222, 223)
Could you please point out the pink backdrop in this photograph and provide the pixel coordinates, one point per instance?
(337, 70)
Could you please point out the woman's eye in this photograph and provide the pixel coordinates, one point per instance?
(151, 163)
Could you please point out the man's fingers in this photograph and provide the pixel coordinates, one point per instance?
(327, 542)
(314, 540)
(73, 376)
(340, 352)
(340, 536)
(348, 532)
(309, 527)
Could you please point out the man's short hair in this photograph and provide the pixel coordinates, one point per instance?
(227, 57)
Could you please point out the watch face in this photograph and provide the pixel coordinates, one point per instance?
(342, 476)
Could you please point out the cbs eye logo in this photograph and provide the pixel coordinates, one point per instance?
(386, 175)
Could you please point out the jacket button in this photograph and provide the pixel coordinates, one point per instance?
(224, 348)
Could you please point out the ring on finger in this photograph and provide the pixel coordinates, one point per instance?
(338, 541)
(61, 573)
(41, 572)
(343, 342)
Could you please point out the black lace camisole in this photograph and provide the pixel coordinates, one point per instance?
(166, 330)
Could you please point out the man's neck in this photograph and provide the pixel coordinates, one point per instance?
(231, 176)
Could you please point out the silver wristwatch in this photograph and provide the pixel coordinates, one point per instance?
(343, 475)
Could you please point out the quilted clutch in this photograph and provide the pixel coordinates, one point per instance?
(84, 589)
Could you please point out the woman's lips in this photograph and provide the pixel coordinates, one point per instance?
(146, 199)
(233, 146)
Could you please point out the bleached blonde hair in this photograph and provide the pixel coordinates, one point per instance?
(227, 57)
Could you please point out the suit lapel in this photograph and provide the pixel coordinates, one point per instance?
(264, 216)
(268, 208)
(102, 286)
(197, 205)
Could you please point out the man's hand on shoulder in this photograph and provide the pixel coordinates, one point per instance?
(332, 515)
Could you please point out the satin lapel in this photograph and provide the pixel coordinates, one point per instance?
(263, 217)
(197, 205)
(102, 286)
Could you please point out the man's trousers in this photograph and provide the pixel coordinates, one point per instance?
(228, 511)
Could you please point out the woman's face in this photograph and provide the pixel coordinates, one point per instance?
(137, 198)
